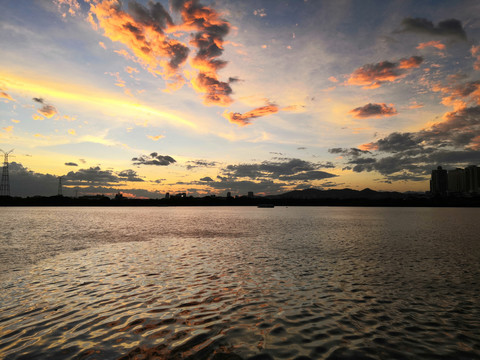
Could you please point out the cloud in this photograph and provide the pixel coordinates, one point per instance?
(24, 182)
(146, 30)
(46, 110)
(246, 118)
(372, 76)
(200, 163)
(354, 152)
(143, 32)
(71, 164)
(8, 128)
(453, 142)
(72, 6)
(459, 95)
(475, 50)
(206, 178)
(451, 27)
(4, 95)
(208, 40)
(155, 138)
(242, 187)
(129, 175)
(272, 169)
(153, 159)
(373, 110)
(436, 44)
(259, 12)
(131, 70)
(308, 176)
(91, 175)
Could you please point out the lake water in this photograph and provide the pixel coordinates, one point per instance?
(239, 283)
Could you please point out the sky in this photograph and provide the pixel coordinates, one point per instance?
(209, 97)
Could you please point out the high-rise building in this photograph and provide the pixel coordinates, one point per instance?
(457, 181)
(250, 194)
(472, 179)
(439, 182)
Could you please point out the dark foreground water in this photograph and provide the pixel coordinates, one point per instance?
(231, 283)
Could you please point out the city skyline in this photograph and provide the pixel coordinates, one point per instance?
(210, 97)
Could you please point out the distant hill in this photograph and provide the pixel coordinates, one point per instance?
(312, 194)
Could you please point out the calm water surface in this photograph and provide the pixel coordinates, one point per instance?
(240, 283)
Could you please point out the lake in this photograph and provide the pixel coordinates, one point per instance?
(240, 283)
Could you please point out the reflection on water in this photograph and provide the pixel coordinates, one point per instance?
(234, 283)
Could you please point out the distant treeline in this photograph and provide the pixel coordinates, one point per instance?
(239, 201)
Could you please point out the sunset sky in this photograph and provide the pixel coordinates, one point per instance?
(206, 97)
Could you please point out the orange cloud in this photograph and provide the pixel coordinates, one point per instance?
(459, 95)
(5, 96)
(102, 45)
(48, 111)
(475, 50)
(8, 128)
(209, 41)
(333, 79)
(415, 105)
(410, 63)
(373, 110)
(131, 70)
(145, 37)
(436, 44)
(155, 138)
(372, 76)
(72, 132)
(144, 31)
(37, 117)
(245, 118)
(368, 147)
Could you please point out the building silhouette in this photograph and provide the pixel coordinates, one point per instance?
(455, 182)
(439, 182)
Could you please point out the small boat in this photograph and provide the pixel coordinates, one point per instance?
(265, 205)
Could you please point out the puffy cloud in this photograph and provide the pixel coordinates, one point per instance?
(410, 63)
(459, 95)
(273, 169)
(451, 27)
(4, 95)
(245, 118)
(200, 163)
(24, 182)
(373, 110)
(475, 50)
(71, 164)
(91, 175)
(207, 179)
(143, 33)
(208, 39)
(129, 175)
(436, 44)
(453, 142)
(372, 76)
(46, 110)
(153, 159)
